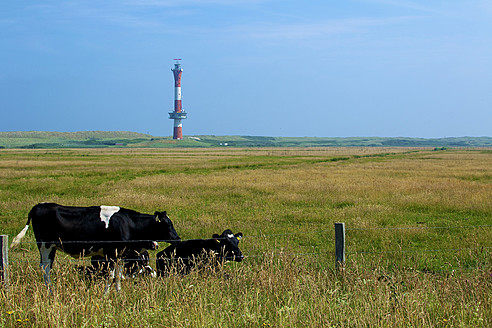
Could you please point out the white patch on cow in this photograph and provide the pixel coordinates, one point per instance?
(147, 269)
(230, 235)
(107, 212)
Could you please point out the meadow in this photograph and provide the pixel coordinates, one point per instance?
(419, 231)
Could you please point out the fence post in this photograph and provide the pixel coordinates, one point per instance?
(4, 260)
(340, 244)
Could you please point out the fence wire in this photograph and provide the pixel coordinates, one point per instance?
(254, 236)
(250, 236)
(281, 252)
(423, 227)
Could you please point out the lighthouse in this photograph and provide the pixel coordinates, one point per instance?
(178, 114)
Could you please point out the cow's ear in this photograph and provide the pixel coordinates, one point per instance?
(157, 218)
(239, 235)
(216, 237)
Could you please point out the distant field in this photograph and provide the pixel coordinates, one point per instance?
(122, 139)
(419, 250)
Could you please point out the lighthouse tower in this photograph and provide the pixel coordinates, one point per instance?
(178, 114)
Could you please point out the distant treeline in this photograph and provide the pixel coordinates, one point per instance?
(124, 139)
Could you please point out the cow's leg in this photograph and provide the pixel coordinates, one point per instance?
(114, 275)
(110, 278)
(47, 258)
(118, 273)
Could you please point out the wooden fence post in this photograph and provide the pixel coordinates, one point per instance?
(340, 244)
(4, 260)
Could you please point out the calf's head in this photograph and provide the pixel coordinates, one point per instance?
(229, 245)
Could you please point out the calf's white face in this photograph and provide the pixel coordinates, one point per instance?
(107, 212)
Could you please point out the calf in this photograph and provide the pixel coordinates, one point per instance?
(183, 256)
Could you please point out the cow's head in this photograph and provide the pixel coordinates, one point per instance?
(165, 230)
(229, 244)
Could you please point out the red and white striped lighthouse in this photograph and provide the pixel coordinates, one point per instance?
(178, 114)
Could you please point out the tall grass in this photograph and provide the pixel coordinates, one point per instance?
(427, 273)
(276, 290)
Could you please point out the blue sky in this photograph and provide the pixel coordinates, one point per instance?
(251, 67)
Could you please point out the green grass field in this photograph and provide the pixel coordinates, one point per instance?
(418, 236)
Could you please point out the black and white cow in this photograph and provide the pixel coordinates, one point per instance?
(183, 256)
(108, 231)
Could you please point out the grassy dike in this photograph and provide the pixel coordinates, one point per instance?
(125, 139)
(411, 262)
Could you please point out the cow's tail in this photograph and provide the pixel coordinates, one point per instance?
(21, 234)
